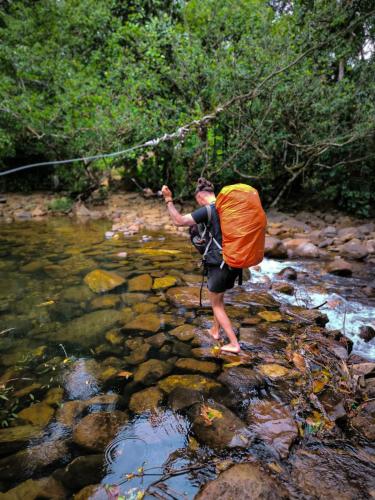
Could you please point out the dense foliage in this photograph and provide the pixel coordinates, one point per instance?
(81, 77)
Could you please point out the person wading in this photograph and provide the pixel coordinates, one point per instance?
(220, 277)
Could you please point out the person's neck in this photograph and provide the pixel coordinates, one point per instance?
(210, 199)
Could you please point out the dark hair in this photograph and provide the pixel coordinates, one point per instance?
(204, 185)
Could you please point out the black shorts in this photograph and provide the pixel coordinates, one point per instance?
(221, 279)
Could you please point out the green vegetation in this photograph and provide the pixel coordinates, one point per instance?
(62, 204)
(86, 77)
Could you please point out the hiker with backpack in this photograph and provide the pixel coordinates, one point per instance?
(229, 232)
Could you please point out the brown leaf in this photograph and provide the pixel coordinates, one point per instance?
(299, 362)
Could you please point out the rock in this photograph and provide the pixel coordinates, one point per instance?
(255, 299)
(69, 412)
(148, 399)
(274, 248)
(96, 430)
(184, 332)
(144, 307)
(329, 231)
(39, 414)
(114, 337)
(152, 370)
(363, 368)
(244, 482)
(195, 382)
(81, 471)
(164, 282)
(353, 249)
(109, 401)
(54, 396)
(157, 340)
(133, 298)
(195, 366)
(218, 427)
(142, 283)
(149, 323)
(13, 439)
(240, 380)
(339, 267)
(181, 398)
(274, 424)
(76, 294)
(187, 296)
(270, 316)
(307, 315)
(80, 210)
(288, 273)
(181, 349)
(29, 389)
(364, 421)
(366, 333)
(273, 370)
(92, 492)
(36, 489)
(138, 355)
(105, 302)
(100, 280)
(89, 329)
(38, 212)
(27, 463)
(282, 287)
(300, 247)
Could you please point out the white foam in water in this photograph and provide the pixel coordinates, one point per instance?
(344, 315)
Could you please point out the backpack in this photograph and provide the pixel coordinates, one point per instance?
(201, 236)
(243, 225)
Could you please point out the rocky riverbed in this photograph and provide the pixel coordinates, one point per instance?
(110, 384)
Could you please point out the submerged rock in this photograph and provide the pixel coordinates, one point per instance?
(184, 332)
(274, 424)
(69, 412)
(164, 282)
(157, 340)
(15, 438)
(243, 482)
(92, 492)
(218, 427)
(196, 366)
(105, 302)
(148, 399)
(195, 382)
(181, 398)
(138, 355)
(96, 430)
(81, 471)
(76, 294)
(152, 370)
(36, 489)
(103, 281)
(39, 414)
(187, 296)
(142, 283)
(149, 322)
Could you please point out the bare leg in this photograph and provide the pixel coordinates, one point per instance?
(214, 331)
(217, 303)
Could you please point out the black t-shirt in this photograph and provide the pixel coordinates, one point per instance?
(200, 216)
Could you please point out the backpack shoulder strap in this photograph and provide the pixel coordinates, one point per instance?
(209, 213)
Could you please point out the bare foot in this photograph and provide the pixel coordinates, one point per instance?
(233, 349)
(214, 332)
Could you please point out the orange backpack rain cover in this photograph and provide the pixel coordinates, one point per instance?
(243, 225)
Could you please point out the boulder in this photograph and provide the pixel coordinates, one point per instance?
(100, 280)
(39, 414)
(36, 489)
(89, 329)
(142, 283)
(274, 424)
(274, 248)
(353, 249)
(148, 399)
(184, 332)
(149, 323)
(152, 370)
(69, 412)
(195, 366)
(96, 430)
(288, 273)
(364, 421)
(181, 398)
(81, 471)
(195, 382)
(339, 267)
(240, 380)
(245, 482)
(366, 333)
(218, 427)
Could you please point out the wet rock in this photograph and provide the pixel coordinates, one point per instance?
(114, 337)
(307, 315)
(187, 296)
(39, 414)
(273, 370)
(157, 340)
(152, 370)
(288, 273)
(92, 492)
(283, 288)
(54, 396)
(149, 323)
(329, 231)
(240, 380)
(103, 281)
(257, 299)
(13, 439)
(274, 424)
(76, 294)
(138, 355)
(105, 302)
(333, 405)
(96, 430)
(243, 481)
(274, 248)
(26, 463)
(339, 267)
(353, 249)
(69, 412)
(218, 427)
(181, 349)
(142, 283)
(148, 399)
(195, 366)
(107, 401)
(89, 329)
(181, 398)
(364, 421)
(367, 333)
(300, 247)
(29, 389)
(144, 307)
(81, 471)
(133, 298)
(195, 382)
(164, 282)
(36, 489)
(184, 332)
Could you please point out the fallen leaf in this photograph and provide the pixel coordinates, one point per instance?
(209, 414)
(299, 361)
(124, 374)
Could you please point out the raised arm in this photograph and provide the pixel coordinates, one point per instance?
(177, 218)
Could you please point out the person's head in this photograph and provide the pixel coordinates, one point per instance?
(204, 192)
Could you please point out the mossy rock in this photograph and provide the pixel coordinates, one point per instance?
(142, 283)
(100, 280)
(195, 382)
(148, 399)
(164, 282)
(149, 323)
(184, 332)
(196, 366)
(39, 414)
(152, 370)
